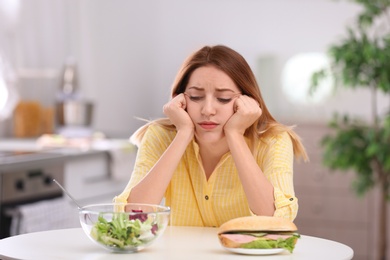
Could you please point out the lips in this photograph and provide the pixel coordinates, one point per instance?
(208, 125)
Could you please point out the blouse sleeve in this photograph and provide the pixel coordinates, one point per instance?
(277, 165)
(149, 151)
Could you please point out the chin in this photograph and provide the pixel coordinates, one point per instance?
(209, 136)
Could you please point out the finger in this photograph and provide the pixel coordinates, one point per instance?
(250, 102)
(179, 101)
(238, 103)
(246, 103)
(184, 100)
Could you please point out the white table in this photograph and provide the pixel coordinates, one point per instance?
(175, 243)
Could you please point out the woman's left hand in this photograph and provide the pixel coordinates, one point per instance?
(246, 112)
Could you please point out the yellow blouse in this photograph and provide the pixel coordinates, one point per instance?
(195, 201)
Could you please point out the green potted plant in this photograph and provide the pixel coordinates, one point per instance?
(362, 60)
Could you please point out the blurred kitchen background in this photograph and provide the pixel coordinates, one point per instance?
(121, 57)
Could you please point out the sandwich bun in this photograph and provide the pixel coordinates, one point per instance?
(258, 232)
(257, 223)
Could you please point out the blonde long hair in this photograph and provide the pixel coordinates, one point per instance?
(236, 67)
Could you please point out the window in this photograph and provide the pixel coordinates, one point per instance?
(296, 78)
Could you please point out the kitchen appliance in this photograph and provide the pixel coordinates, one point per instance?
(26, 177)
(74, 114)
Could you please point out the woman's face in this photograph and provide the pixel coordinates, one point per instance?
(210, 96)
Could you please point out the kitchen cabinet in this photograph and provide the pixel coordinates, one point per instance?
(96, 175)
(88, 178)
(82, 171)
(328, 207)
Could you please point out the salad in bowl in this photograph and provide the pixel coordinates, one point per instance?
(124, 228)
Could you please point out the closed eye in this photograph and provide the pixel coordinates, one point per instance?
(195, 98)
(224, 100)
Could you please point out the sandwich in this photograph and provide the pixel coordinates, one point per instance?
(259, 232)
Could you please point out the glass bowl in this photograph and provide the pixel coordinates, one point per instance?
(124, 228)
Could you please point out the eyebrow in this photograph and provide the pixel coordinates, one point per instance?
(218, 89)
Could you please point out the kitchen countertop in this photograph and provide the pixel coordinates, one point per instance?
(28, 152)
(34, 144)
(41, 157)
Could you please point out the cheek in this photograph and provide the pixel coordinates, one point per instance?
(229, 109)
(228, 113)
(191, 109)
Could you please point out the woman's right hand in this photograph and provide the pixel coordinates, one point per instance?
(175, 110)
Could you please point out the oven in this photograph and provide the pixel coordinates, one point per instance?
(27, 177)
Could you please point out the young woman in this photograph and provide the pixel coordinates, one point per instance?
(219, 154)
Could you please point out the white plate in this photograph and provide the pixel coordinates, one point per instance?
(246, 251)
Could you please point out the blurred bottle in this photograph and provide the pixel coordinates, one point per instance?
(69, 82)
(27, 119)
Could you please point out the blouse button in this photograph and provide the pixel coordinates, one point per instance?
(206, 197)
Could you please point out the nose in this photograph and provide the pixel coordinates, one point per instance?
(208, 108)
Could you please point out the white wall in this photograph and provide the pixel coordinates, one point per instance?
(129, 51)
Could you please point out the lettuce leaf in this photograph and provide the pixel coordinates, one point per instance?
(288, 244)
(122, 232)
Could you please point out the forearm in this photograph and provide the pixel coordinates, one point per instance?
(152, 187)
(259, 191)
